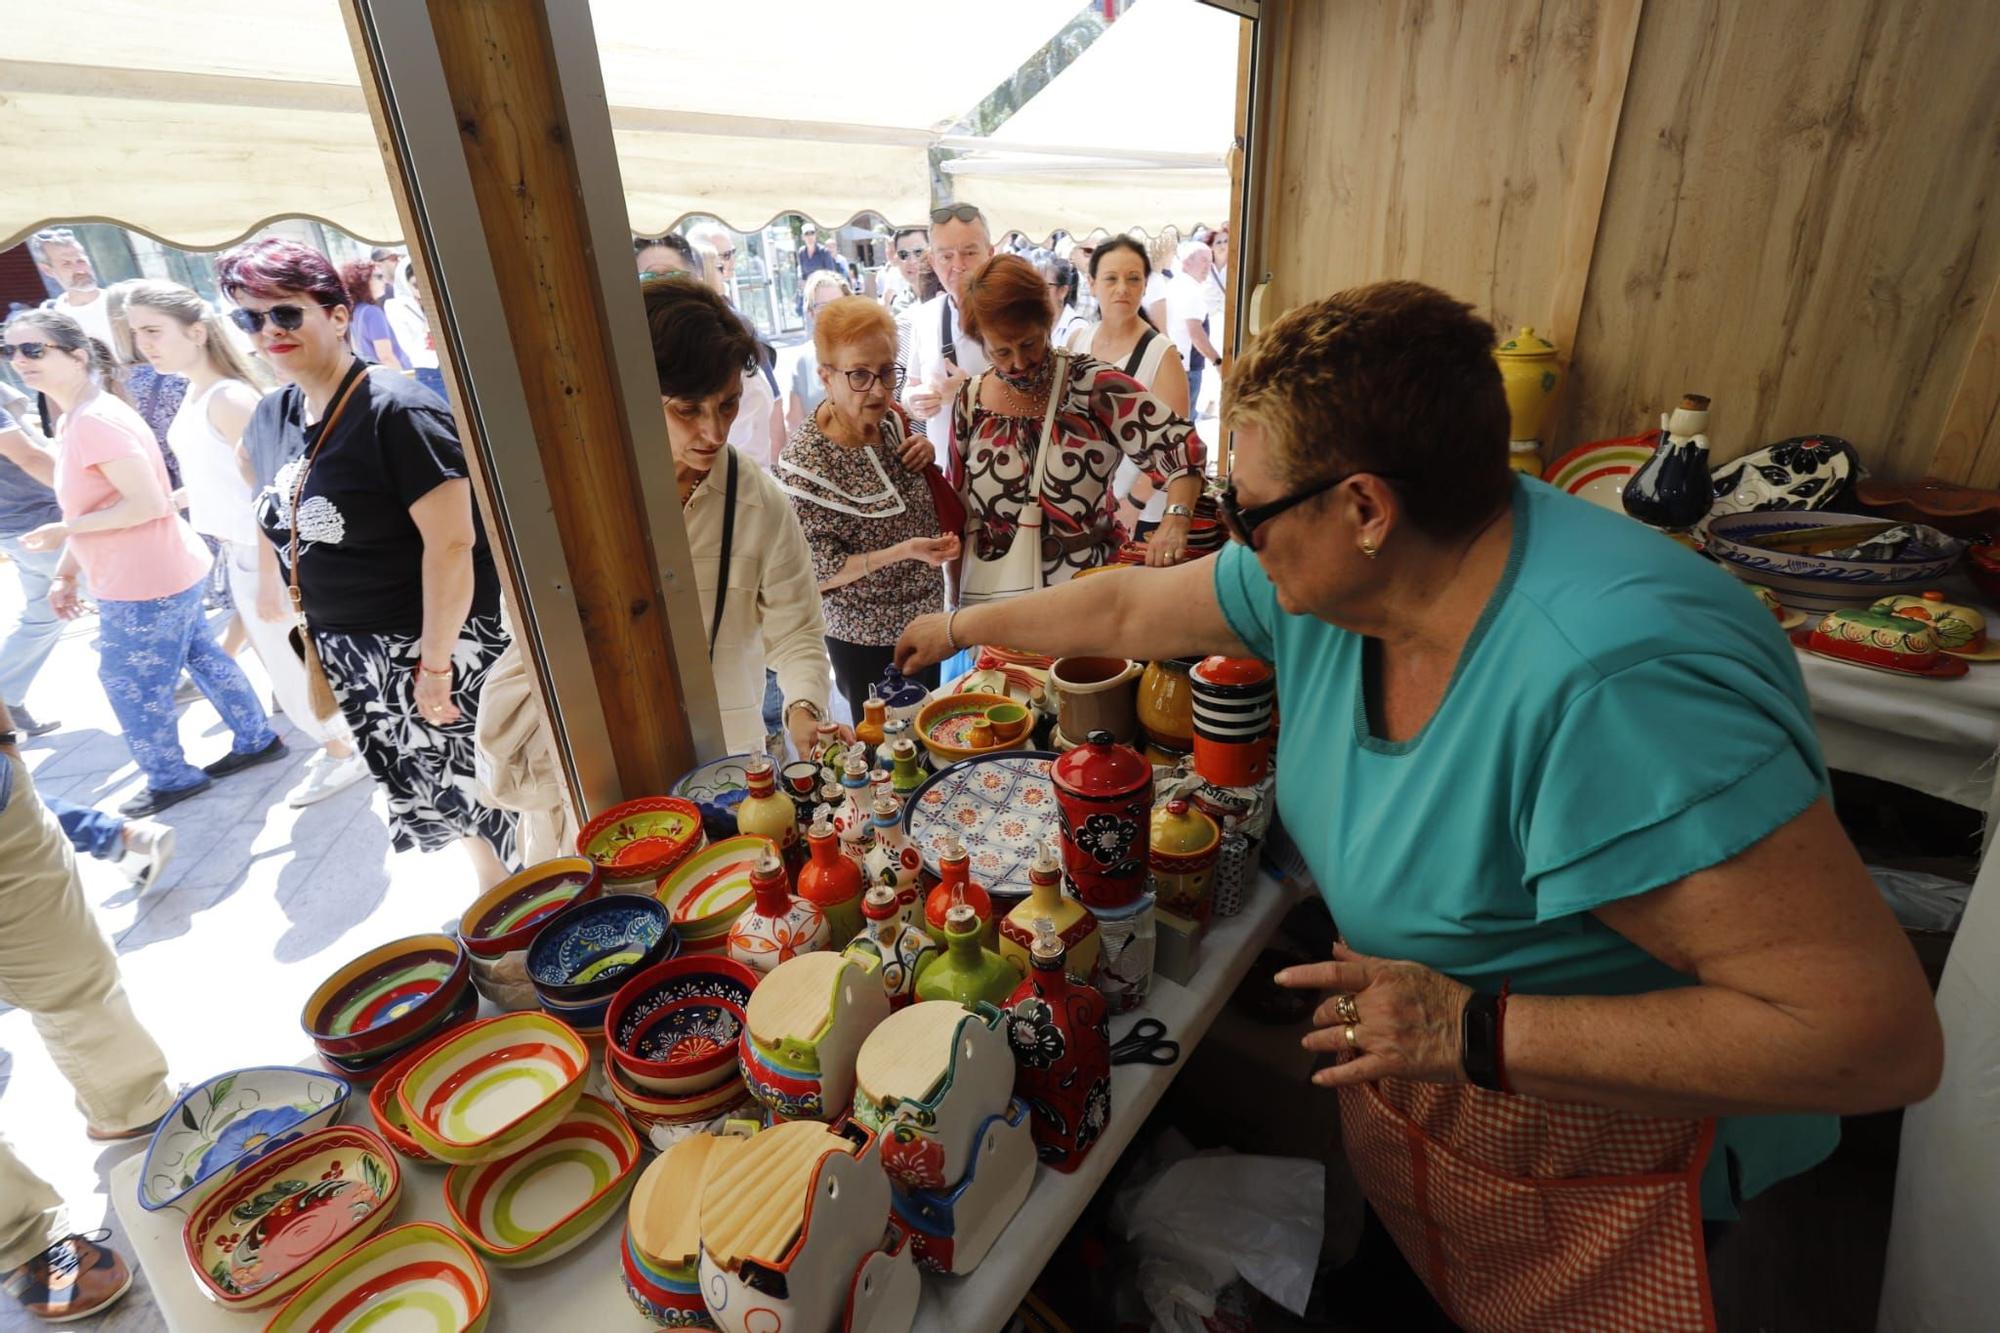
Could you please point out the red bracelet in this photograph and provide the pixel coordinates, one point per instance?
(1500, 1036)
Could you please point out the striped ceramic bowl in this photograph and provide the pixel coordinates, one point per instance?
(418, 1278)
(494, 1087)
(551, 1196)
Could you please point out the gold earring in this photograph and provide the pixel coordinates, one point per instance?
(1370, 549)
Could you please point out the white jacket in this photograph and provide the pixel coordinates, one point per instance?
(772, 615)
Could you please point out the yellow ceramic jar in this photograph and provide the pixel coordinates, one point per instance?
(1529, 372)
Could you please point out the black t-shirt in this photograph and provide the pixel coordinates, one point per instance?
(360, 553)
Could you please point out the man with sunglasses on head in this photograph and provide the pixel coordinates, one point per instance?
(941, 358)
(61, 258)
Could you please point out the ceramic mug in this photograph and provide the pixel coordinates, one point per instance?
(1097, 694)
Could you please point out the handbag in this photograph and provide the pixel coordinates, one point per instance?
(319, 691)
(944, 496)
(1019, 569)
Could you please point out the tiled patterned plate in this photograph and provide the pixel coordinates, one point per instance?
(1002, 807)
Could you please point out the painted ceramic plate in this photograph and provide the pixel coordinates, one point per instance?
(548, 1198)
(494, 1087)
(718, 787)
(712, 884)
(386, 995)
(641, 839)
(689, 1033)
(282, 1222)
(1002, 807)
(220, 1127)
(1597, 472)
(585, 948)
(417, 1278)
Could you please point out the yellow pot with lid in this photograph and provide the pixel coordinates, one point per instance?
(1529, 373)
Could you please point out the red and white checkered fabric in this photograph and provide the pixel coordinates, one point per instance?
(1524, 1214)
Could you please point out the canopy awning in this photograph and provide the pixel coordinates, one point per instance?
(198, 124)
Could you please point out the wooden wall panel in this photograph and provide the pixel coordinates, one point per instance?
(1802, 222)
(1460, 142)
(1969, 447)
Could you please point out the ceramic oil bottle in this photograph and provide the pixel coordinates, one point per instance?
(1045, 904)
(828, 749)
(1059, 1031)
(968, 972)
(1671, 490)
(892, 861)
(954, 886)
(889, 944)
(831, 882)
(868, 731)
(906, 774)
(780, 925)
(854, 824)
(766, 813)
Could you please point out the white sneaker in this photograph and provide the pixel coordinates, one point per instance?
(149, 845)
(324, 776)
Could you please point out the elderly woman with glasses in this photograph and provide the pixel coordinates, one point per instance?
(1561, 788)
(855, 474)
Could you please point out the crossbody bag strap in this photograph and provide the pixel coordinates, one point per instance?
(1058, 386)
(1138, 357)
(728, 546)
(355, 374)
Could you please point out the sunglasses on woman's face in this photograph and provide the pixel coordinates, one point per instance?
(1243, 524)
(907, 255)
(288, 318)
(30, 351)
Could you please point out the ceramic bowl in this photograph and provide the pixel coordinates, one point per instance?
(636, 842)
(944, 725)
(545, 1200)
(653, 1110)
(685, 1046)
(585, 950)
(707, 892)
(1818, 582)
(717, 788)
(387, 996)
(367, 1070)
(494, 1087)
(220, 1127)
(1011, 722)
(415, 1277)
(391, 1121)
(719, 982)
(287, 1219)
(506, 918)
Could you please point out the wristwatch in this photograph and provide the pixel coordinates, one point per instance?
(10, 740)
(1179, 511)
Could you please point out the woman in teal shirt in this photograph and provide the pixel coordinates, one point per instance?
(1609, 965)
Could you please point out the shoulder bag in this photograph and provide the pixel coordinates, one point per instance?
(1019, 570)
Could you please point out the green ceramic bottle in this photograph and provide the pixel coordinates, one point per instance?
(967, 972)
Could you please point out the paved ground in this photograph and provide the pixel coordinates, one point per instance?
(259, 904)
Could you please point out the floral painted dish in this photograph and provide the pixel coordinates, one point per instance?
(417, 1278)
(1002, 807)
(494, 1087)
(506, 917)
(1881, 642)
(1960, 630)
(220, 1127)
(944, 725)
(717, 787)
(585, 950)
(635, 842)
(710, 889)
(386, 996)
(287, 1219)
(548, 1198)
(1803, 473)
(1598, 471)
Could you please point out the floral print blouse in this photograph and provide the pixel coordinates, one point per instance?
(1105, 416)
(852, 500)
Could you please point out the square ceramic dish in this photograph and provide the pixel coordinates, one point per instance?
(636, 842)
(386, 996)
(285, 1220)
(219, 1127)
(547, 1199)
(390, 1120)
(709, 890)
(494, 1087)
(584, 952)
(417, 1278)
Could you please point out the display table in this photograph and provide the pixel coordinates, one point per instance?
(581, 1290)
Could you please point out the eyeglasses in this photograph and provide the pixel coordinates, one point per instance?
(32, 351)
(958, 212)
(725, 254)
(912, 254)
(861, 377)
(1243, 524)
(288, 318)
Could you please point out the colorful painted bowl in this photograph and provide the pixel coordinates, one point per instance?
(546, 1199)
(636, 842)
(632, 1023)
(685, 1047)
(1820, 583)
(586, 950)
(505, 919)
(944, 725)
(495, 1087)
(1010, 721)
(415, 1277)
(287, 1219)
(1598, 471)
(390, 1119)
(708, 891)
(717, 788)
(365, 1071)
(218, 1128)
(649, 1111)
(670, 1297)
(386, 996)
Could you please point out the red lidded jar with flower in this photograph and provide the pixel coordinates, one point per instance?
(1105, 791)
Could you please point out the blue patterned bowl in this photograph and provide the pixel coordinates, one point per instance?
(587, 950)
(717, 787)
(221, 1126)
(1819, 582)
(712, 990)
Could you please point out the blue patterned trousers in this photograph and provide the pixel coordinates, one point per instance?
(142, 649)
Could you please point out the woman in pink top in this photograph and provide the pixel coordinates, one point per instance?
(143, 562)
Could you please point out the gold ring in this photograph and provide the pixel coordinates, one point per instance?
(1352, 1044)
(1347, 1009)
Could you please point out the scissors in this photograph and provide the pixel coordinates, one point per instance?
(1146, 1044)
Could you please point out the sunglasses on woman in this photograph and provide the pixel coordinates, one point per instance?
(30, 351)
(1242, 524)
(288, 318)
(911, 254)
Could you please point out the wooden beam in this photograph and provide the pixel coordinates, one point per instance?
(1968, 450)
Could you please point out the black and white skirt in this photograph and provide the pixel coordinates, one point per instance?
(426, 769)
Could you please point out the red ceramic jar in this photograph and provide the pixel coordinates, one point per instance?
(1233, 697)
(1105, 792)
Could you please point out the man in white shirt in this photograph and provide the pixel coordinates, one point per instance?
(902, 280)
(941, 358)
(60, 257)
(1188, 314)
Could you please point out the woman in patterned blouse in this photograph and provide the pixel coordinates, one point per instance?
(855, 474)
(1104, 416)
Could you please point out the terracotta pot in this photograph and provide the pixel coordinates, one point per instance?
(1166, 704)
(1105, 791)
(1096, 694)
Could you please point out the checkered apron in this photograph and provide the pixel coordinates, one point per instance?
(1520, 1213)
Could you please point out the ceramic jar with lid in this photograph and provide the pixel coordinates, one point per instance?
(1105, 793)
(1185, 844)
(1059, 1031)
(969, 972)
(1232, 719)
(779, 925)
(1071, 921)
(1166, 705)
(1529, 373)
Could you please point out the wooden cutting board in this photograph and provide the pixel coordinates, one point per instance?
(753, 1205)
(907, 1056)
